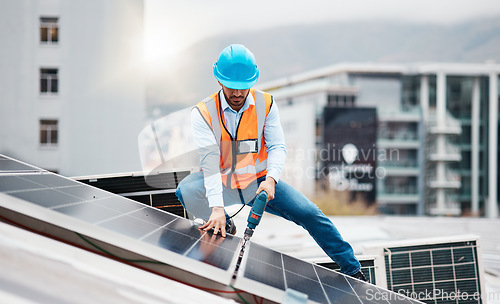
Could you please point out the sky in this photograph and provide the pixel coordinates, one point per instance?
(173, 25)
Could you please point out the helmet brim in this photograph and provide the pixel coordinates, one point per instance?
(236, 85)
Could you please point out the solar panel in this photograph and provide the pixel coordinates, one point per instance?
(164, 243)
(272, 272)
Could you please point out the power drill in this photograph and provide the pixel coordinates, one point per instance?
(255, 214)
(254, 217)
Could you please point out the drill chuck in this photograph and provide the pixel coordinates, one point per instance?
(248, 234)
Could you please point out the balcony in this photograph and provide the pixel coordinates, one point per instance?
(450, 180)
(405, 167)
(447, 152)
(392, 198)
(410, 114)
(398, 171)
(389, 133)
(450, 206)
(385, 143)
(403, 136)
(450, 125)
(391, 194)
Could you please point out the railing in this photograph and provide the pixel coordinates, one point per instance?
(397, 190)
(451, 205)
(449, 174)
(450, 120)
(449, 208)
(451, 179)
(404, 109)
(449, 125)
(451, 152)
(397, 135)
(406, 163)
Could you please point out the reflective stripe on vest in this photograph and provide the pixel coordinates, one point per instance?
(244, 157)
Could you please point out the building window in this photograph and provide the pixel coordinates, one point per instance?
(48, 132)
(49, 30)
(49, 83)
(341, 100)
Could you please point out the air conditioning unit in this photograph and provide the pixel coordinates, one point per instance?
(434, 270)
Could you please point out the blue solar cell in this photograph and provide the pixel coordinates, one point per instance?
(305, 285)
(265, 273)
(185, 227)
(299, 266)
(129, 226)
(83, 212)
(333, 279)
(153, 216)
(208, 250)
(49, 198)
(49, 180)
(336, 295)
(10, 183)
(14, 166)
(85, 193)
(264, 255)
(171, 240)
(119, 204)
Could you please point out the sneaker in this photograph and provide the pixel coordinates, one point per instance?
(230, 227)
(360, 276)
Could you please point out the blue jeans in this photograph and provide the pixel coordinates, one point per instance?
(287, 203)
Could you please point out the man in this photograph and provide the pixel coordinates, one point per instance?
(242, 151)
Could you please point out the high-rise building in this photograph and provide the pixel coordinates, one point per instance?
(72, 94)
(437, 132)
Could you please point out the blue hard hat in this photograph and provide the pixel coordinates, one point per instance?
(236, 68)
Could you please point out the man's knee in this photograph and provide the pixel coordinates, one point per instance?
(192, 185)
(178, 193)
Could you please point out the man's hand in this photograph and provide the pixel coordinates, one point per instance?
(217, 221)
(268, 186)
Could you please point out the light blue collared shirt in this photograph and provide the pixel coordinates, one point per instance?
(210, 156)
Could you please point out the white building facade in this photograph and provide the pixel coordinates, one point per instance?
(72, 92)
(437, 131)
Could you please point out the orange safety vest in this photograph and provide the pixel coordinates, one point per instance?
(243, 159)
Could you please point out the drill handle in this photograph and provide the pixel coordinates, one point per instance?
(262, 196)
(257, 210)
